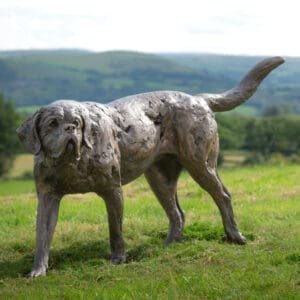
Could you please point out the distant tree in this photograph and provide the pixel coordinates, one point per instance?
(9, 144)
(277, 110)
(274, 135)
(232, 131)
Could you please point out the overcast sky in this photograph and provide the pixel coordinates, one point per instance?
(229, 26)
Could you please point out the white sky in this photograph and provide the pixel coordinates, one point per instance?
(233, 27)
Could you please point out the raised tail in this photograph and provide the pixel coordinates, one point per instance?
(245, 89)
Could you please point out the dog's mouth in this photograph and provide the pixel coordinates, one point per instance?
(73, 147)
(70, 147)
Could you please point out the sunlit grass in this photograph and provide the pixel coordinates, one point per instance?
(266, 202)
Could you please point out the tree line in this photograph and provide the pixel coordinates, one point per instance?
(261, 136)
(9, 144)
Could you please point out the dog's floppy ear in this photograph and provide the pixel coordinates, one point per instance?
(28, 134)
(86, 128)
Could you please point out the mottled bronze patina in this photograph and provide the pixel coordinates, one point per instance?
(90, 147)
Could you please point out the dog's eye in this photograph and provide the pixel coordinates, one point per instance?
(76, 123)
(53, 123)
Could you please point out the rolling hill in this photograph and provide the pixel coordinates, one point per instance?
(39, 77)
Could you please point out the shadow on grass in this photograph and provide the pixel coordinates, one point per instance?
(203, 231)
(200, 232)
(196, 231)
(94, 251)
(59, 259)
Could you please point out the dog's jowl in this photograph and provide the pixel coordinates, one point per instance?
(82, 147)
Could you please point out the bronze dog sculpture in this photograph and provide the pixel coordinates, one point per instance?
(90, 147)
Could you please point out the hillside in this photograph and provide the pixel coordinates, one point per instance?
(38, 77)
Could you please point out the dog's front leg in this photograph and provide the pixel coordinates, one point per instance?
(47, 212)
(114, 205)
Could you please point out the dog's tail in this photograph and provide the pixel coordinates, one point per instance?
(245, 89)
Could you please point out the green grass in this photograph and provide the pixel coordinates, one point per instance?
(16, 187)
(266, 202)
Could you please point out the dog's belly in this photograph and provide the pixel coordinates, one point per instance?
(130, 170)
(139, 149)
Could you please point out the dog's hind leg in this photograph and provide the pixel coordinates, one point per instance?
(203, 170)
(162, 177)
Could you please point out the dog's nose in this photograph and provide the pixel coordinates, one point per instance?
(69, 127)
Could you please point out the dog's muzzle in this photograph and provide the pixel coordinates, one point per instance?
(74, 147)
(70, 147)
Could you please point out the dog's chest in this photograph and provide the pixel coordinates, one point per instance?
(87, 175)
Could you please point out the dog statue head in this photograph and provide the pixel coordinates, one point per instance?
(58, 130)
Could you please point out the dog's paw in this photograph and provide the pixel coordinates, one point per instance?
(118, 259)
(236, 238)
(37, 272)
(173, 238)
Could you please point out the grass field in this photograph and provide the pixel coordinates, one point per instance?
(266, 202)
